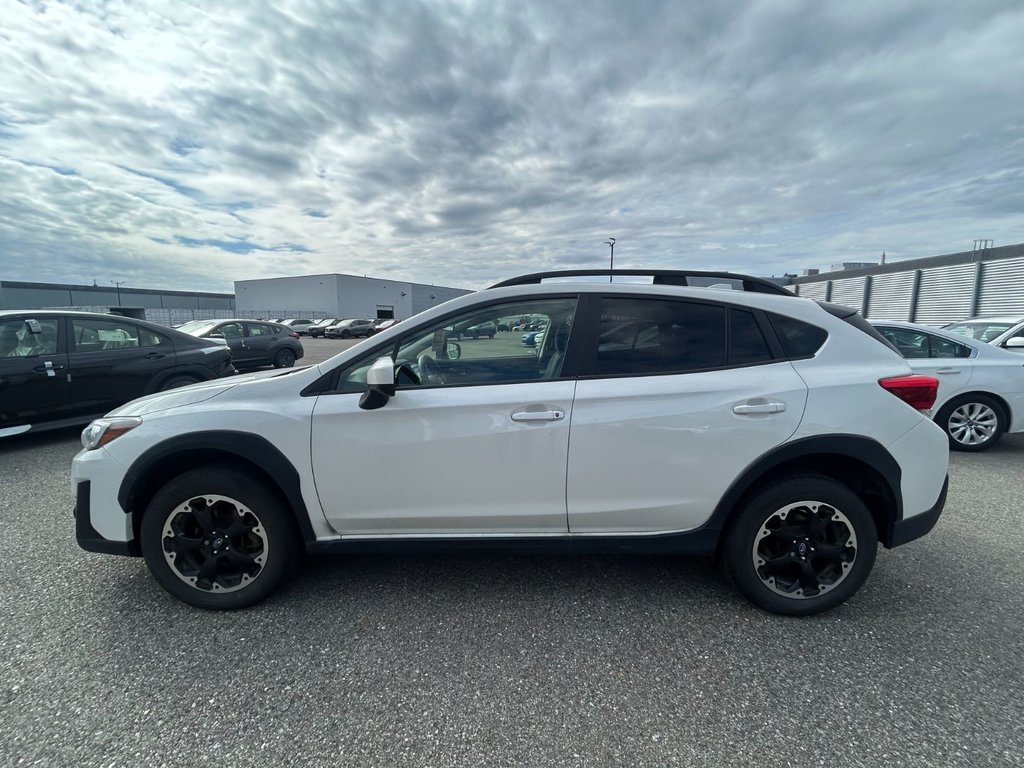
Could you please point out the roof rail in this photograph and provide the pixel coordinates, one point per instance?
(661, 277)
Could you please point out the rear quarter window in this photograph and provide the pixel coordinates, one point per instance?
(798, 339)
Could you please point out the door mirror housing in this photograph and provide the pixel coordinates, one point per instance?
(380, 384)
(1016, 343)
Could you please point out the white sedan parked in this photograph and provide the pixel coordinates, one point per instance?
(981, 387)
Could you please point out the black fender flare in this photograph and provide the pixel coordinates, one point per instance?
(863, 449)
(147, 471)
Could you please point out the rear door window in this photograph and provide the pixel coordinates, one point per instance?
(656, 336)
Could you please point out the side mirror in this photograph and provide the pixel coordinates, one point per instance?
(1016, 343)
(380, 384)
(453, 351)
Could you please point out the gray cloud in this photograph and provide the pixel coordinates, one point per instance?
(459, 143)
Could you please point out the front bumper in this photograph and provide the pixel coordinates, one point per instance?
(88, 537)
(902, 531)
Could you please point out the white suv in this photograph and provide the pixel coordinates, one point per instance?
(783, 436)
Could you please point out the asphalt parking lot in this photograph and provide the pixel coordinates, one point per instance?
(510, 659)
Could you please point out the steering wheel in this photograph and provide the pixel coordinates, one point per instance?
(430, 371)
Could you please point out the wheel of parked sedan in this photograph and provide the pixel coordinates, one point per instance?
(801, 545)
(346, 334)
(972, 422)
(177, 381)
(218, 538)
(285, 358)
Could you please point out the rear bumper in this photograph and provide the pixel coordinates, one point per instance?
(902, 531)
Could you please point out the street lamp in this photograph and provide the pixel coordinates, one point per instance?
(611, 262)
(119, 284)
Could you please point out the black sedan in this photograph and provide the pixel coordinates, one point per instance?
(252, 342)
(59, 368)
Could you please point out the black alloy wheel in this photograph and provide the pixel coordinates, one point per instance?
(802, 545)
(218, 538)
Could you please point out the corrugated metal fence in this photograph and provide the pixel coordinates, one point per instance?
(933, 295)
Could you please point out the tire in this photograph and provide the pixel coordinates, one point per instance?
(782, 566)
(177, 381)
(252, 561)
(972, 422)
(346, 334)
(285, 358)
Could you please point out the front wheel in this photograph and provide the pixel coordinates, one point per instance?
(218, 538)
(972, 422)
(346, 334)
(803, 545)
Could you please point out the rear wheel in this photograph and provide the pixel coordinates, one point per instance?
(803, 545)
(218, 538)
(178, 381)
(285, 358)
(972, 422)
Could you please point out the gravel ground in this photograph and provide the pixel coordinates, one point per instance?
(509, 659)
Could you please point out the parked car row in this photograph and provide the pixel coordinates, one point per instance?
(252, 342)
(60, 368)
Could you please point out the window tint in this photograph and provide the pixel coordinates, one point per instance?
(799, 339)
(941, 347)
(746, 342)
(17, 339)
(94, 335)
(659, 336)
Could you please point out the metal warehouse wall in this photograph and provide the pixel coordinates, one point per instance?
(19, 295)
(338, 296)
(933, 291)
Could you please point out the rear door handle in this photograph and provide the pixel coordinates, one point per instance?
(153, 356)
(947, 370)
(742, 409)
(553, 415)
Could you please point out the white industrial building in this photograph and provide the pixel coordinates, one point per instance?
(335, 295)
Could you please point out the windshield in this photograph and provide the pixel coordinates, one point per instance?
(982, 331)
(196, 327)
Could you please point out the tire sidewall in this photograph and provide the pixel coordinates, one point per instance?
(942, 419)
(250, 491)
(744, 528)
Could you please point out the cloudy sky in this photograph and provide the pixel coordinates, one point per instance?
(186, 145)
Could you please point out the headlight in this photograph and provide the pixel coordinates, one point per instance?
(102, 431)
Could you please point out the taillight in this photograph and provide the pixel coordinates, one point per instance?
(294, 335)
(917, 391)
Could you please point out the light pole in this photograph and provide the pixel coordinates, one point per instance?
(611, 261)
(118, 284)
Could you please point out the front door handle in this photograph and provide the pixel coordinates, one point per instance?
(773, 406)
(49, 368)
(153, 356)
(947, 370)
(553, 415)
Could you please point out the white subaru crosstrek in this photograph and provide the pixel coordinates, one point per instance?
(784, 436)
